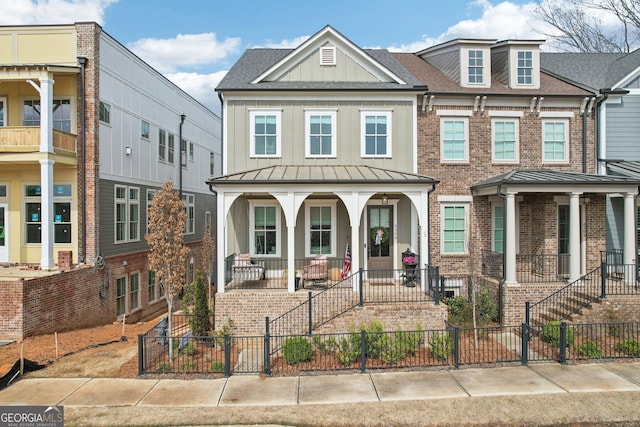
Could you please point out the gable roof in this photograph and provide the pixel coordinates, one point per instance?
(594, 70)
(258, 69)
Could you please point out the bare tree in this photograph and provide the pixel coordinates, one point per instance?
(208, 252)
(578, 25)
(168, 254)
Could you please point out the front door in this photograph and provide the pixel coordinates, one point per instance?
(380, 238)
(4, 237)
(563, 240)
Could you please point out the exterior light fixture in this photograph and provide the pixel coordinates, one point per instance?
(385, 199)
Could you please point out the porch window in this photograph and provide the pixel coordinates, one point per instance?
(61, 114)
(3, 115)
(265, 226)
(453, 138)
(320, 134)
(320, 225)
(454, 233)
(376, 133)
(505, 140)
(61, 214)
(498, 229)
(127, 214)
(265, 133)
(555, 136)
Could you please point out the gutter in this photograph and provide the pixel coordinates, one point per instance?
(433, 188)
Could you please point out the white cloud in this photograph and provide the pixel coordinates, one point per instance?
(31, 12)
(184, 51)
(200, 86)
(503, 20)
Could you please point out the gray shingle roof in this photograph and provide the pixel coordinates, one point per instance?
(594, 70)
(542, 176)
(254, 62)
(297, 174)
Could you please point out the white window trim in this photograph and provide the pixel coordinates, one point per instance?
(493, 225)
(486, 68)
(106, 104)
(128, 202)
(128, 305)
(307, 225)
(252, 142)
(566, 142)
(189, 202)
(456, 118)
(556, 114)
(466, 228)
(5, 117)
(516, 147)
(307, 132)
(252, 221)
(533, 68)
(363, 134)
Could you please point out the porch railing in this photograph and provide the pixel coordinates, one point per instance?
(530, 268)
(27, 139)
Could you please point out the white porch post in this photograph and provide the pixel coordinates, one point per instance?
(46, 214)
(221, 239)
(424, 238)
(510, 235)
(629, 253)
(574, 237)
(291, 253)
(46, 115)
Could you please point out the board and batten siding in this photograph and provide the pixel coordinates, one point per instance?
(348, 133)
(623, 129)
(345, 70)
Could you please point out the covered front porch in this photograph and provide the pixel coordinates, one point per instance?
(550, 226)
(295, 226)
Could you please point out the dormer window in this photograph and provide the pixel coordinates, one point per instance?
(525, 67)
(475, 66)
(328, 55)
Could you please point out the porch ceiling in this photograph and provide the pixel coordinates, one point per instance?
(297, 174)
(552, 181)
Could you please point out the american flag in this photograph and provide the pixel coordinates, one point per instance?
(346, 267)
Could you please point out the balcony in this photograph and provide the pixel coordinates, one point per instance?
(26, 139)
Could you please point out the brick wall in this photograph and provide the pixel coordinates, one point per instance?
(515, 297)
(614, 308)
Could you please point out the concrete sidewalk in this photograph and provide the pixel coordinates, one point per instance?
(242, 390)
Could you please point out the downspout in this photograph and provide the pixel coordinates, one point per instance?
(599, 154)
(504, 253)
(83, 62)
(221, 132)
(584, 136)
(433, 188)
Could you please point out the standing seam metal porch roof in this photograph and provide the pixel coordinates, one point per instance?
(298, 174)
(541, 176)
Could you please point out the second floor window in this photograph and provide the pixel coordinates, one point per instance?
(104, 112)
(320, 133)
(171, 148)
(454, 144)
(162, 145)
(265, 133)
(376, 134)
(61, 114)
(525, 67)
(190, 210)
(144, 129)
(127, 214)
(555, 147)
(505, 140)
(475, 66)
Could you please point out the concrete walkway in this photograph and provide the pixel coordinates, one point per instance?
(253, 390)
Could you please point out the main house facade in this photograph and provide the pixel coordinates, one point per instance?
(466, 153)
(88, 133)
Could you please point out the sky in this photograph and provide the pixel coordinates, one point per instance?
(195, 42)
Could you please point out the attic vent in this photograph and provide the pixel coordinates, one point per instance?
(328, 56)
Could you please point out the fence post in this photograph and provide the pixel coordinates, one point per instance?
(267, 348)
(441, 287)
(363, 351)
(525, 341)
(310, 316)
(456, 346)
(437, 285)
(527, 313)
(140, 354)
(563, 343)
(361, 287)
(603, 280)
(227, 356)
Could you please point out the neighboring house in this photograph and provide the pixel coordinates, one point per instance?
(88, 132)
(615, 79)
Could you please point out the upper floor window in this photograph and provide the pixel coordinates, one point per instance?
(3, 109)
(171, 148)
(127, 214)
(61, 114)
(555, 137)
(505, 140)
(190, 210)
(191, 151)
(104, 112)
(376, 133)
(454, 139)
(265, 133)
(183, 153)
(212, 164)
(162, 145)
(475, 66)
(320, 133)
(144, 129)
(525, 67)
(264, 222)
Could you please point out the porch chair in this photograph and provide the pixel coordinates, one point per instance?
(245, 269)
(317, 270)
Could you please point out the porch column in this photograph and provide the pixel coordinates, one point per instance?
(574, 237)
(629, 254)
(291, 254)
(46, 115)
(221, 240)
(510, 236)
(46, 214)
(423, 221)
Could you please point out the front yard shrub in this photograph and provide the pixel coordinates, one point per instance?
(296, 350)
(629, 346)
(324, 347)
(441, 346)
(460, 311)
(217, 366)
(197, 307)
(189, 366)
(551, 334)
(349, 350)
(589, 349)
(376, 340)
